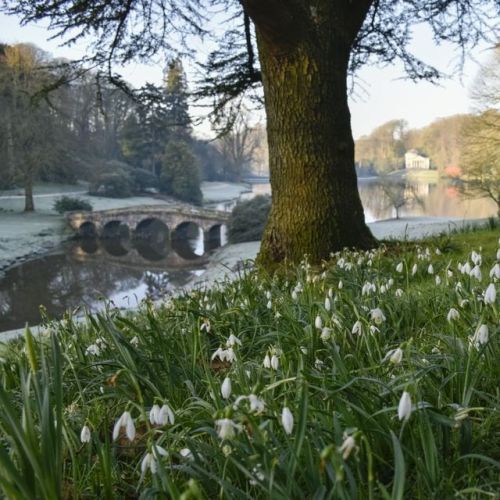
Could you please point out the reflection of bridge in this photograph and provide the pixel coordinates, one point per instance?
(147, 221)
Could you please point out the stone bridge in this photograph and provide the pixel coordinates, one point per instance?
(152, 222)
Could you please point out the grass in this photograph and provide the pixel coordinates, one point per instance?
(341, 388)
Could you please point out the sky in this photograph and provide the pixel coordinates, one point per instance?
(381, 94)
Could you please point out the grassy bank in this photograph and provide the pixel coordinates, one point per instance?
(372, 377)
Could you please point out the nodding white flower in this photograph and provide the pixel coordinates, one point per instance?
(404, 407)
(268, 295)
(165, 415)
(383, 289)
(153, 414)
(438, 252)
(85, 434)
(394, 356)
(374, 329)
(304, 350)
(186, 454)
(466, 268)
(150, 460)
(430, 269)
(205, 326)
(490, 294)
(495, 271)
(399, 267)
(348, 445)
(368, 288)
(449, 273)
(93, 349)
(134, 341)
(414, 269)
(390, 283)
(328, 304)
(330, 293)
(126, 421)
(476, 258)
(225, 389)
(224, 354)
(357, 328)
(226, 428)
(269, 305)
(232, 340)
(398, 293)
(480, 337)
(453, 315)
(326, 334)
(340, 285)
(438, 280)
(318, 322)
(476, 273)
(287, 420)
(257, 405)
(267, 361)
(275, 362)
(295, 295)
(377, 316)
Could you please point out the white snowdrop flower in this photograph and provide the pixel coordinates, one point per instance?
(277, 315)
(328, 304)
(374, 329)
(340, 285)
(495, 271)
(287, 420)
(490, 294)
(453, 315)
(480, 337)
(357, 328)
(93, 350)
(430, 269)
(330, 292)
(148, 462)
(165, 415)
(399, 267)
(476, 273)
(268, 295)
(498, 254)
(269, 305)
(257, 405)
(383, 289)
(318, 364)
(186, 454)
(318, 322)
(85, 434)
(449, 273)
(230, 355)
(232, 340)
(390, 283)
(476, 258)
(377, 316)
(394, 356)
(404, 407)
(304, 350)
(437, 251)
(153, 414)
(225, 389)
(463, 303)
(369, 262)
(205, 326)
(134, 341)
(295, 295)
(326, 334)
(459, 266)
(126, 421)
(275, 362)
(414, 269)
(398, 293)
(466, 268)
(226, 428)
(348, 445)
(438, 280)
(458, 286)
(267, 361)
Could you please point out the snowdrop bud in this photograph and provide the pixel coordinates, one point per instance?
(275, 362)
(414, 269)
(130, 428)
(269, 305)
(287, 420)
(268, 295)
(495, 271)
(377, 316)
(295, 296)
(226, 388)
(399, 267)
(438, 252)
(453, 314)
(153, 414)
(347, 446)
(476, 273)
(430, 269)
(85, 434)
(340, 285)
(490, 294)
(404, 408)
(267, 361)
(147, 463)
(330, 292)
(328, 304)
(438, 280)
(481, 336)
(318, 323)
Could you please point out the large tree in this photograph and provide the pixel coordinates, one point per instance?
(306, 50)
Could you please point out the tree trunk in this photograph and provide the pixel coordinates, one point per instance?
(316, 208)
(29, 205)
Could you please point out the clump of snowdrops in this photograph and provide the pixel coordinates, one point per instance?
(373, 376)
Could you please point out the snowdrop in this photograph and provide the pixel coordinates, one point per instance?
(275, 362)
(226, 388)
(377, 316)
(318, 322)
(186, 454)
(205, 326)
(404, 407)
(134, 341)
(495, 271)
(438, 280)
(257, 405)
(357, 328)
(374, 329)
(267, 361)
(480, 337)
(394, 356)
(340, 285)
(165, 416)
(476, 273)
(348, 445)
(328, 304)
(453, 315)
(153, 414)
(224, 354)
(399, 267)
(226, 428)
(430, 269)
(476, 258)
(287, 420)
(398, 293)
(269, 305)
(466, 268)
(127, 422)
(93, 350)
(85, 434)
(232, 340)
(150, 460)
(326, 334)
(414, 269)
(490, 294)
(295, 296)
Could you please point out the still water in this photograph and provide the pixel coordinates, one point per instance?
(80, 274)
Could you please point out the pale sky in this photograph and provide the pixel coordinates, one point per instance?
(381, 95)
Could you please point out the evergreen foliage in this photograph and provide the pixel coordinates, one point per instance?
(248, 219)
(68, 204)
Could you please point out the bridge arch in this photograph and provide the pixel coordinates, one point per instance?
(152, 230)
(214, 237)
(188, 240)
(87, 229)
(115, 229)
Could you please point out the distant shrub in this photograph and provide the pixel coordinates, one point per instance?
(143, 179)
(68, 204)
(113, 185)
(248, 219)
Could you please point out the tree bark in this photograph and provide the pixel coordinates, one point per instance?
(316, 208)
(29, 205)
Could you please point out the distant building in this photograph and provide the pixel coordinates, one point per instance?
(413, 159)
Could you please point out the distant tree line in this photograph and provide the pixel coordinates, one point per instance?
(61, 126)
